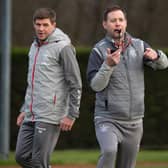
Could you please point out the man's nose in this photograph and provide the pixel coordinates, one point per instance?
(117, 23)
(41, 27)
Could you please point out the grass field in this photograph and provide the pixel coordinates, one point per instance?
(146, 159)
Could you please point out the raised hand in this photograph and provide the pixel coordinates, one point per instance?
(113, 58)
(150, 54)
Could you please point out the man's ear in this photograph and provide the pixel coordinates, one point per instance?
(54, 24)
(104, 25)
(126, 23)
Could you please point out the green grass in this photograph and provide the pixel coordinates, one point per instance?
(153, 156)
(9, 161)
(152, 166)
(91, 156)
(75, 156)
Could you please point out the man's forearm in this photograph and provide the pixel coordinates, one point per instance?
(102, 77)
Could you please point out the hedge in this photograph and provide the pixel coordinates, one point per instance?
(83, 135)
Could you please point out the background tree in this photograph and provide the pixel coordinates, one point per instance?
(147, 19)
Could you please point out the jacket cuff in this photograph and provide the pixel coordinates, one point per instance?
(71, 117)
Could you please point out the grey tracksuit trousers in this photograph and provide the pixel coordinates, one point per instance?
(35, 143)
(119, 143)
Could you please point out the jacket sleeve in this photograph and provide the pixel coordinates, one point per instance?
(22, 109)
(73, 79)
(98, 72)
(160, 63)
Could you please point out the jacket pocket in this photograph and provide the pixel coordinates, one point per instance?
(60, 99)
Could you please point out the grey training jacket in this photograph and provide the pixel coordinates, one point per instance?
(120, 89)
(54, 82)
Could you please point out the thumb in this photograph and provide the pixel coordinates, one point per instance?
(108, 51)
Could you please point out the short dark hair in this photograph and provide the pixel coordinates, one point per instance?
(111, 9)
(45, 13)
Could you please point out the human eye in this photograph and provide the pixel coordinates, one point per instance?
(113, 20)
(45, 25)
(37, 24)
(121, 19)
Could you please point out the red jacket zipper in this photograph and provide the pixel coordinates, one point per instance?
(32, 83)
